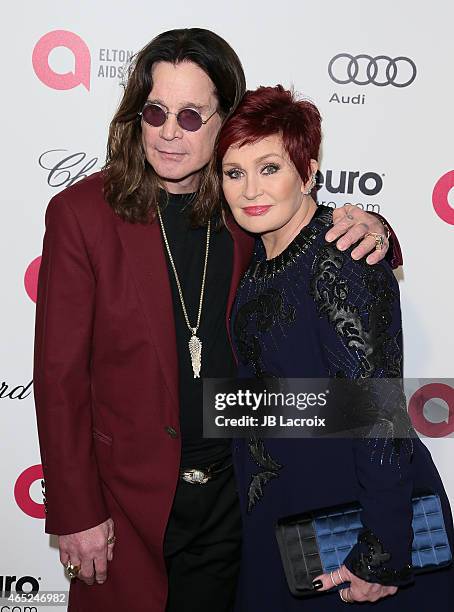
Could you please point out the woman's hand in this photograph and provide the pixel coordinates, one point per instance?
(358, 590)
(350, 225)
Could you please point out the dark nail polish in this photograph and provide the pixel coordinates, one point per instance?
(317, 584)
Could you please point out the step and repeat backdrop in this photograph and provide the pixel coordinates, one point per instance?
(381, 75)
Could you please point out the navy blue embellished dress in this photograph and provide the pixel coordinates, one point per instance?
(314, 312)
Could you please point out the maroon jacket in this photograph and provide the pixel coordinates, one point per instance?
(106, 389)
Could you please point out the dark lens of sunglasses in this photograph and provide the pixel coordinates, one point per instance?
(189, 120)
(154, 115)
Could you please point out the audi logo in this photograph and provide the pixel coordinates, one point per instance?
(365, 70)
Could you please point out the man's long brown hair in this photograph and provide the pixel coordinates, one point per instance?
(131, 185)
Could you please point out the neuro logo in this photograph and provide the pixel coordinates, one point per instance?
(82, 60)
(22, 492)
(24, 584)
(418, 403)
(440, 197)
(369, 183)
(364, 69)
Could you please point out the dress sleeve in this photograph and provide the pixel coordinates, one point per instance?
(361, 306)
(62, 385)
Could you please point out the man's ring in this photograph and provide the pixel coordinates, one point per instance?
(379, 240)
(111, 540)
(349, 215)
(72, 570)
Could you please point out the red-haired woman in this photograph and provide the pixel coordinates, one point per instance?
(306, 310)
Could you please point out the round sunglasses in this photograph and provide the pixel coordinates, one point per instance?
(187, 118)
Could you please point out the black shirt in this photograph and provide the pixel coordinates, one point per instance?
(187, 246)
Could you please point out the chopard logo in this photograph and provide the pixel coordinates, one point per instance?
(19, 392)
(364, 69)
(64, 170)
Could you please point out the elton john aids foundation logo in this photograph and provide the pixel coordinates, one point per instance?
(80, 75)
(423, 398)
(22, 492)
(440, 197)
(31, 278)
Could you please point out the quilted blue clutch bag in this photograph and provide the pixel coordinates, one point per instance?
(318, 542)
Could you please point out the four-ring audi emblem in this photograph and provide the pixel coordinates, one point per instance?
(364, 70)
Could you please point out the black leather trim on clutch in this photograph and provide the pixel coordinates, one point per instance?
(294, 539)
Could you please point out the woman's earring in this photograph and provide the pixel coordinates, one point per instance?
(311, 184)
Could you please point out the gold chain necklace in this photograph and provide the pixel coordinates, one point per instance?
(195, 344)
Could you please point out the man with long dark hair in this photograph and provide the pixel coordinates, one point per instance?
(138, 273)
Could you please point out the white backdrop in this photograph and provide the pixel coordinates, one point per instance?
(61, 69)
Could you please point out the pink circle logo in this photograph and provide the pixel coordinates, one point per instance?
(31, 278)
(440, 197)
(22, 492)
(82, 60)
(416, 410)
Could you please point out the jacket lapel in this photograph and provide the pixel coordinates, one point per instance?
(144, 249)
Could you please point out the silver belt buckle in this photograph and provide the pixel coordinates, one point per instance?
(195, 476)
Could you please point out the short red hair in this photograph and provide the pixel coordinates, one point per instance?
(275, 110)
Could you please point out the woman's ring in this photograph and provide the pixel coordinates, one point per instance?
(111, 540)
(344, 599)
(332, 580)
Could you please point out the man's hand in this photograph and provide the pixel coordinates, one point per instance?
(89, 549)
(352, 223)
(358, 591)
